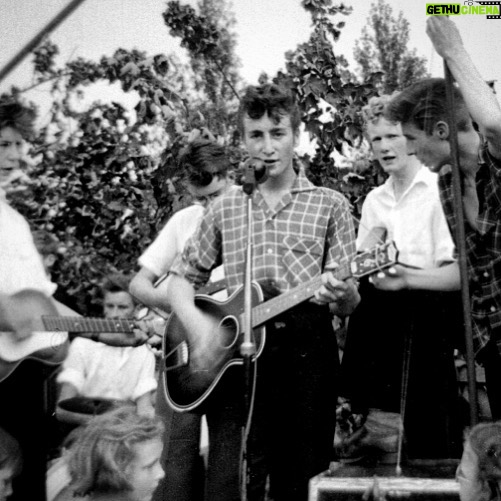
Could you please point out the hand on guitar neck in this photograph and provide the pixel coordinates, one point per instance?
(341, 295)
(31, 327)
(401, 276)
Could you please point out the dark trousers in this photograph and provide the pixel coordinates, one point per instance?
(383, 329)
(293, 421)
(22, 414)
(181, 460)
(491, 360)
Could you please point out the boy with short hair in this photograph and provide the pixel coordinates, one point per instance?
(21, 267)
(206, 168)
(411, 323)
(299, 231)
(96, 370)
(422, 110)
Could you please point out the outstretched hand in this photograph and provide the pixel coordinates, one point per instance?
(391, 279)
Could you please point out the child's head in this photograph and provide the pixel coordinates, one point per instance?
(117, 453)
(117, 301)
(386, 138)
(271, 100)
(206, 167)
(485, 441)
(10, 463)
(16, 125)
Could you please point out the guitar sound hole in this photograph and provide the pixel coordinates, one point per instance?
(228, 329)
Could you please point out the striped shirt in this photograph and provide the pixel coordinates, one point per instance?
(483, 246)
(308, 231)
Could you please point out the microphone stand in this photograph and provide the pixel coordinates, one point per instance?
(248, 346)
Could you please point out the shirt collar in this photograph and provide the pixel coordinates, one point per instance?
(423, 175)
(302, 183)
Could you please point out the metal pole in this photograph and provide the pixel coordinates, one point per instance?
(38, 38)
(461, 247)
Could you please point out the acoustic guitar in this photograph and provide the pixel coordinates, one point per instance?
(48, 341)
(186, 387)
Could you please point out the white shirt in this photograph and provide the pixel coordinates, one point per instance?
(160, 255)
(416, 222)
(97, 370)
(21, 266)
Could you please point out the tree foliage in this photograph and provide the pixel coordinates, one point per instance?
(383, 48)
(210, 41)
(104, 179)
(98, 182)
(329, 97)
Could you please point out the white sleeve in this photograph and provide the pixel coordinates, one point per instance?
(74, 365)
(158, 257)
(146, 380)
(368, 220)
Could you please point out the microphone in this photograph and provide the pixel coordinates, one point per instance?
(254, 172)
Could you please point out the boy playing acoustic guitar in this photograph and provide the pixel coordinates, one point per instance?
(21, 267)
(299, 231)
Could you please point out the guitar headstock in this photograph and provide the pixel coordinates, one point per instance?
(378, 258)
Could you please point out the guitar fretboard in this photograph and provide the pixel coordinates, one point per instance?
(80, 324)
(283, 302)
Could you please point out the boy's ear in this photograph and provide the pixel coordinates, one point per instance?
(441, 130)
(297, 136)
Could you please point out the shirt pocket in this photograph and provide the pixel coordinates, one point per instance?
(302, 258)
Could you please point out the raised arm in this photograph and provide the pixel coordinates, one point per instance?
(481, 101)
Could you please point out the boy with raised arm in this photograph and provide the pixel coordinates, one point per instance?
(422, 110)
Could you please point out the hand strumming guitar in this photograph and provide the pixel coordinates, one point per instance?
(203, 332)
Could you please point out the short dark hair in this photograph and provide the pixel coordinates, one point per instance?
(115, 282)
(275, 100)
(13, 114)
(202, 160)
(424, 104)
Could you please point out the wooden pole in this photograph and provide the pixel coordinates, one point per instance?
(38, 38)
(461, 247)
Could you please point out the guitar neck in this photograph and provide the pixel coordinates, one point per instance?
(81, 324)
(283, 302)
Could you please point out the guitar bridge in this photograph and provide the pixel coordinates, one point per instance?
(178, 357)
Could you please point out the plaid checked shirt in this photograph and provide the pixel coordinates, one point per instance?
(483, 247)
(310, 230)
